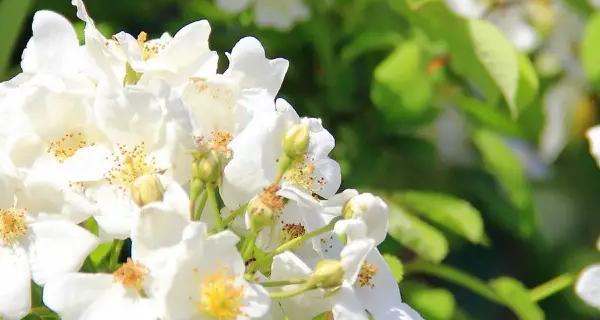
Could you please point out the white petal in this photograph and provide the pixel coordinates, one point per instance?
(249, 64)
(328, 171)
(88, 164)
(71, 294)
(15, 296)
(117, 213)
(353, 255)
(321, 141)
(588, 286)
(347, 306)
(54, 46)
(57, 247)
(256, 301)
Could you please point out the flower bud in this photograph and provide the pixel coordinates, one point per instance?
(207, 168)
(328, 274)
(146, 189)
(295, 141)
(372, 211)
(265, 208)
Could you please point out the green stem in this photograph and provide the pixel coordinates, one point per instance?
(455, 276)
(248, 245)
(283, 165)
(281, 283)
(289, 294)
(115, 253)
(199, 208)
(214, 203)
(551, 287)
(232, 216)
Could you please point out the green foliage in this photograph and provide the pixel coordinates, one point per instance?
(590, 49)
(516, 296)
(432, 303)
(12, 18)
(395, 265)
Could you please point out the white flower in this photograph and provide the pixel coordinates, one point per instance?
(209, 283)
(370, 210)
(33, 246)
(588, 285)
(279, 14)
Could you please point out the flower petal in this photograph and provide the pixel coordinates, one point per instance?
(15, 296)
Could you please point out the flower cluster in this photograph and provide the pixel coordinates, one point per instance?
(227, 196)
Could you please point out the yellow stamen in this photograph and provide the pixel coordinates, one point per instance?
(12, 225)
(130, 164)
(220, 297)
(292, 231)
(366, 274)
(66, 146)
(131, 275)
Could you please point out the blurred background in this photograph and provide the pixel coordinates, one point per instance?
(469, 116)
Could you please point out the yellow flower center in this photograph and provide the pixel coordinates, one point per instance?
(131, 275)
(12, 225)
(149, 50)
(217, 140)
(130, 164)
(302, 174)
(292, 231)
(220, 297)
(66, 146)
(366, 274)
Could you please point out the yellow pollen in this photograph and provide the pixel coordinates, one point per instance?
(130, 164)
(149, 50)
(302, 174)
(12, 225)
(66, 146)
(220, 297)
(270, 198)
(292, 231)
(366, 274)
(131, 275)
(218, 140)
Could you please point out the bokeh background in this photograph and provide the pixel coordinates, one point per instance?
(415, 121)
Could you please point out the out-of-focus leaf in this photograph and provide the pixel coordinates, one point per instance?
(516, 297)
(528, 82)
(395, 265)
(590, 49)
(432, 303)
(400, 89)
(101, 253)
(42, 313)
(503, 164)
(369, 41)
(425, 240)
(488, 116)
(478, 50)
(455, 214)
(12, 17)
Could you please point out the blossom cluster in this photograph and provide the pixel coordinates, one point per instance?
(228, 197)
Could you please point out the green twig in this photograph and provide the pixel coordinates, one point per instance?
(232, 216)
(551, 287)
(267, 284)
(214, 203)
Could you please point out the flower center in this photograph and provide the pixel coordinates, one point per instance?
(270, 198)
(220, 297)
(131, 275)
(130, 164)
(66, 146)
(12, 225)
(366, 274)
(292, 231)
(149, 50)
(302, 174)
(217, 140)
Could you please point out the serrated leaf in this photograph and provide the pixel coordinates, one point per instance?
(425, 240)
(590, 49)
(500, 161)
(447, 211)
(517, 298)
(395, 265)
(498, 57)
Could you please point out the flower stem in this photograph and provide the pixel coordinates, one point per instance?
(289, 294)
(232, 216)
(282, 282)
(199, 207)
(248, 245)
(214, 203)
(551, 287)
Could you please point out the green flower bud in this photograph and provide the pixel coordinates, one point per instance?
(207, 168)
(328, 274)
(146, 189)
(265, 208)
(295, 141)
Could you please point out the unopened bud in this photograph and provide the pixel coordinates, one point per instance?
(295, 141)
(146, 189)
(208, 168)
(264, 209)
(328, 274)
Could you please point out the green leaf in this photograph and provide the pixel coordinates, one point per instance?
(369, 41)
(400, 89)
(498, 57)
(12, 17)
(395, 265)
(425, 240)
(488, 116)
(503, 164)
(528, 82)
(517, 298)
(450, 212)
(432, 303)
(101, 253)
(590, 49)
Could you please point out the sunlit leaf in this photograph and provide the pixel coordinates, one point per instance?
(395, 265)
(516, 296)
